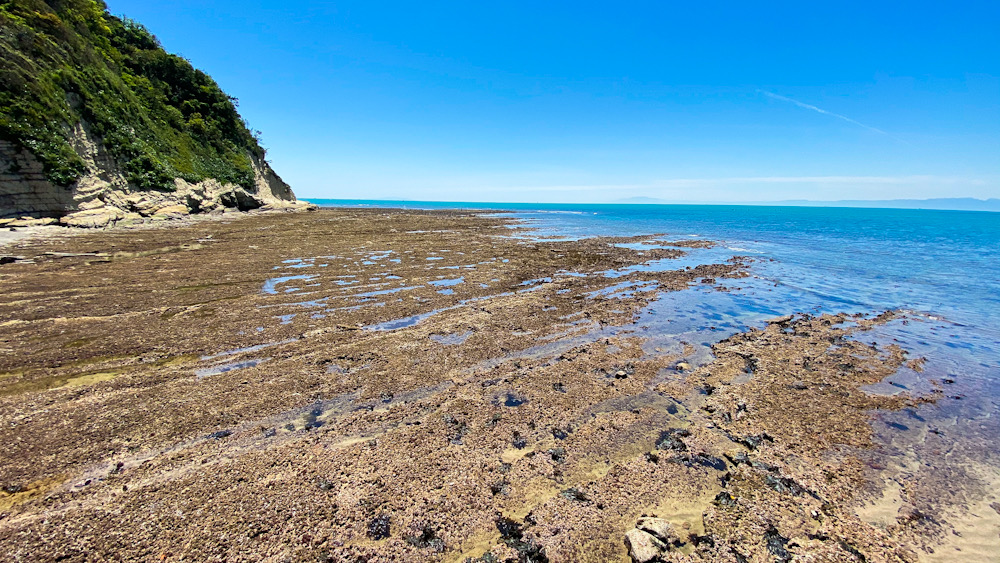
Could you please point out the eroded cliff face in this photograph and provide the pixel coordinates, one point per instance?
(103, 197)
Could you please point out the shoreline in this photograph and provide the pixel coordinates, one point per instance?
(399, 384)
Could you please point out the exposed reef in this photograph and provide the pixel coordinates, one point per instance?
(387, 385)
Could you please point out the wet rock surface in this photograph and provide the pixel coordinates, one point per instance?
(354, 441)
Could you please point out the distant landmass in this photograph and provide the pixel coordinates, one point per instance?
(643, 200)
(943, 203)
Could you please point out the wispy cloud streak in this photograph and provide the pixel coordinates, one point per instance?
(688, 183)
(824, 112)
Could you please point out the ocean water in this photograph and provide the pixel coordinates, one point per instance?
(944, 264)
(941, 267)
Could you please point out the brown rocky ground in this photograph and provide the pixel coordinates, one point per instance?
(379, 385)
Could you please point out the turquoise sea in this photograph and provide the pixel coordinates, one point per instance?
(945, 263)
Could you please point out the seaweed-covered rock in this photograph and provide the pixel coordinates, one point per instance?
(671, 440)
(426, 538)
(378, 527)
(512, 533)
(776, 545)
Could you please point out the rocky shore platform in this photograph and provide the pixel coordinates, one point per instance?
(388, 385)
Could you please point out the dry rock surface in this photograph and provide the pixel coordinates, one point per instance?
(379, 385)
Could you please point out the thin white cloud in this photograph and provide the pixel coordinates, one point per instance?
(734, 181)
(824, 112)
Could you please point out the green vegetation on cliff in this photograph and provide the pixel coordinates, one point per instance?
(66, 61)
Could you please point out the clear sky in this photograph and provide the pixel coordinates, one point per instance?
(587, 101)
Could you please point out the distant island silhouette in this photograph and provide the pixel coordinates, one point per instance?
(944, 203)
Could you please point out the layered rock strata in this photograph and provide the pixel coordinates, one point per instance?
(102, 197)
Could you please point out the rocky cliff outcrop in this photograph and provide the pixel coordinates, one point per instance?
(99, 125)
(103, 197)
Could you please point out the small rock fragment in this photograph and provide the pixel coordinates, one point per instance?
(659, 528)
(574, 494)
(642, 546)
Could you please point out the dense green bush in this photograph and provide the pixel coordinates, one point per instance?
(63, 61)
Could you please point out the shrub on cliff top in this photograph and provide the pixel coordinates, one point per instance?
(67, 61)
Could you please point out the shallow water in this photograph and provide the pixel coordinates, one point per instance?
(453, 339)
(224, 368)
(941, 268)
(447, 282)
(271, 286)
(945, 264)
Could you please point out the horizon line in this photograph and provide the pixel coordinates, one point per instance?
(654, 201)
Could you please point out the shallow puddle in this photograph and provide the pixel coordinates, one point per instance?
(453, 339)
(270, 286)
(224, 368)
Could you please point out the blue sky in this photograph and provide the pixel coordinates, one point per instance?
(586, 101)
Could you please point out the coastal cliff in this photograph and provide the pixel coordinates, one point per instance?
(100, 126)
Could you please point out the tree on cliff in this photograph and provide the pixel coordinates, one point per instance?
(64, 62)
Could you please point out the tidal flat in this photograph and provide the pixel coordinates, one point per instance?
(400, 385)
